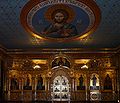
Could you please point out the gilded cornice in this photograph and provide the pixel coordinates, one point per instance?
(66, 50)
(2, 49)
(56, 51)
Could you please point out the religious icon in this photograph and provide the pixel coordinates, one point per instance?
(60, 27)
(66, 62)
(94, 80)
(27, 81)
(27, 85)
(40, 83)
(108, 83)
(60, 19)
(55, 62)
(81, 81)
(61, 61)
(81, 85)
(14, 83)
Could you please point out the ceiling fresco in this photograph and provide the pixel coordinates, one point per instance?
(60, 20)
(103, 27)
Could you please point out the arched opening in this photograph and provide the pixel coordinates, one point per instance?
(60, 89)
(60, 85)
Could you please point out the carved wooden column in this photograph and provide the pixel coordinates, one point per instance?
(48, 87)
(73, 87)
(5, 87)
(113, 84)
(35, 98)
(73, 84)
(102, 75)
(118, 84)
(48, 83)
(88, 86)
(6, 82)
(101, 83)
(9, 85)
(33, 84)
(22, 84)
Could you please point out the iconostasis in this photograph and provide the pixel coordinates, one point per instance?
(84, 78)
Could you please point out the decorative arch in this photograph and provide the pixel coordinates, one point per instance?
(59, 60)
(60, 71)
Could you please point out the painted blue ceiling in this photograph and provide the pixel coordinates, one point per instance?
(14, 36)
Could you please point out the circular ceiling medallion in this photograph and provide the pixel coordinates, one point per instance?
(60, 19)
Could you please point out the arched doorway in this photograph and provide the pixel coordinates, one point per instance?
(60, 89)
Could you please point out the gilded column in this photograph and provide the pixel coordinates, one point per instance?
(35, 87)
(73, 84)
(48, 84)
(33, 83)
(9, 85)
(88, 87)
(22, 84)
(113, 85)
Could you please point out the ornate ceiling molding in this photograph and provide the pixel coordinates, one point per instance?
(66, 50)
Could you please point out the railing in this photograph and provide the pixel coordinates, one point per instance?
(41, 95)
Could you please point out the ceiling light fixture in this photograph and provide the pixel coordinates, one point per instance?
(36, 67)
(84, 66)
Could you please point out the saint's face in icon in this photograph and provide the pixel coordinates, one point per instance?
(59, 17)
